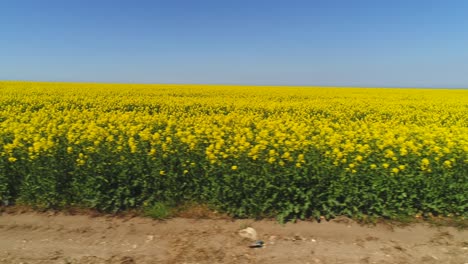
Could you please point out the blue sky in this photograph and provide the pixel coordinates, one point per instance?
(408, 43)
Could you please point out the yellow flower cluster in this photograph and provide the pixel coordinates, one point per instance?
(359, 130)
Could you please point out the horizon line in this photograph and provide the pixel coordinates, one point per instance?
(243, 84)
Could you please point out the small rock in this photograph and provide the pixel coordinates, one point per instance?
(257, 244)
(248, 233)
(298, 237)
(313, 240)
(149, 238)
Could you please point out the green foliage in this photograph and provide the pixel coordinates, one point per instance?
(158, 211)
(252, 190)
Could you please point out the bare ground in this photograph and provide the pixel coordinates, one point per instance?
(59, 238)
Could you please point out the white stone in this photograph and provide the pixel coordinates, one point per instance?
(248, 233)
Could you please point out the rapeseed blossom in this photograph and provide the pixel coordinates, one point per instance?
(354, 129)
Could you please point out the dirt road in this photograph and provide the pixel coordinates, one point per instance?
(58, 238)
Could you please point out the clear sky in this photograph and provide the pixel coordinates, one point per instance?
(402, 43)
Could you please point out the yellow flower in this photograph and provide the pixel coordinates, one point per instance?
(403, 151)
(385, 165)
(12, 159)
(447, 164)
(425, 162)
(395, 170)
(300, 158)
(162, 172)
(234, 167)
(389, 153)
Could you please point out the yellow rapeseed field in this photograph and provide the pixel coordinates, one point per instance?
(371, 141)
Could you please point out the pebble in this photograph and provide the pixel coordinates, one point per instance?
(149, 238)
(248, 233)
(298, 237)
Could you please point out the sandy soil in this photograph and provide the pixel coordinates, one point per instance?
(58, 238)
